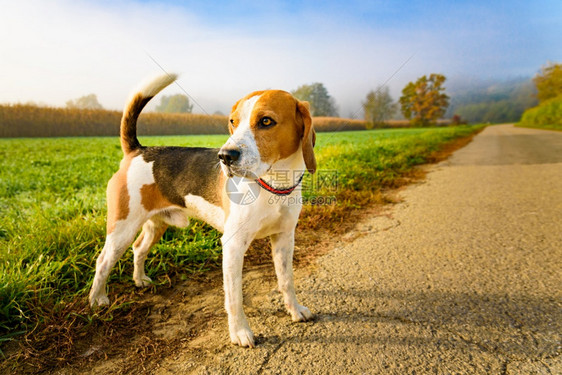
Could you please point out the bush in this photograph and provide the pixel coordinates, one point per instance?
(548, 115)
(457, 120)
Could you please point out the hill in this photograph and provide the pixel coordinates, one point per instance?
(491, 101)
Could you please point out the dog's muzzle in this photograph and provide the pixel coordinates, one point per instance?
(229, 155)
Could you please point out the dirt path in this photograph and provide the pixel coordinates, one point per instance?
(464, 276)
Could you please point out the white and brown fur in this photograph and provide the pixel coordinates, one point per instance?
(160, 186)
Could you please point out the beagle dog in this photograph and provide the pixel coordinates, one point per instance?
(270, 147)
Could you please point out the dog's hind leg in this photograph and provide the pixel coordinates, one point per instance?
(282, 246)
(116, 244)
(151, 233)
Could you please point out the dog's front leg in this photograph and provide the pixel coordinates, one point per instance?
(283, 245)
(235, 242)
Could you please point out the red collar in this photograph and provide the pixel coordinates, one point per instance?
(275, 191)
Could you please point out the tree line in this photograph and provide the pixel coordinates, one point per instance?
(422, 103)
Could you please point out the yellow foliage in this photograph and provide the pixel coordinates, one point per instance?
(549, 82)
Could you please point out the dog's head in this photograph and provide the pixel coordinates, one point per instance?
(265, 127)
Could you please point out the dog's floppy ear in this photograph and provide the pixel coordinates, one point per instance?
(309, 136)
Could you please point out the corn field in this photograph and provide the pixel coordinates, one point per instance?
(21, 120)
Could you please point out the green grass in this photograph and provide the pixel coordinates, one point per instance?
(52, 212)
(540, 126)
(373, 160)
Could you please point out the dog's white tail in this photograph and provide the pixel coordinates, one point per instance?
(140, 97)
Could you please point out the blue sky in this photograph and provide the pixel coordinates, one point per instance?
(54, 51)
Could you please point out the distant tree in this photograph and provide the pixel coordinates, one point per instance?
(321, 103)
(424, 101)
(174, 104)
(85, 102)
(549, 82)
(378, 107)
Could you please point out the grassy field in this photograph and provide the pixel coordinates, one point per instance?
(541, 126)
(52, 210)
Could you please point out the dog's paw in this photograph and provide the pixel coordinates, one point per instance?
(143, 281)
(300, 313)
(99, 301)
(243, 337)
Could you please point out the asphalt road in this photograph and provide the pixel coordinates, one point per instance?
(463, 277)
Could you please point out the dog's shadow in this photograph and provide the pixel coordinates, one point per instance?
(522, 327)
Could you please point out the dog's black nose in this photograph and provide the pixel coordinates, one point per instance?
(229, 155)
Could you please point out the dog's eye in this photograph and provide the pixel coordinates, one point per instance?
(267, 121)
